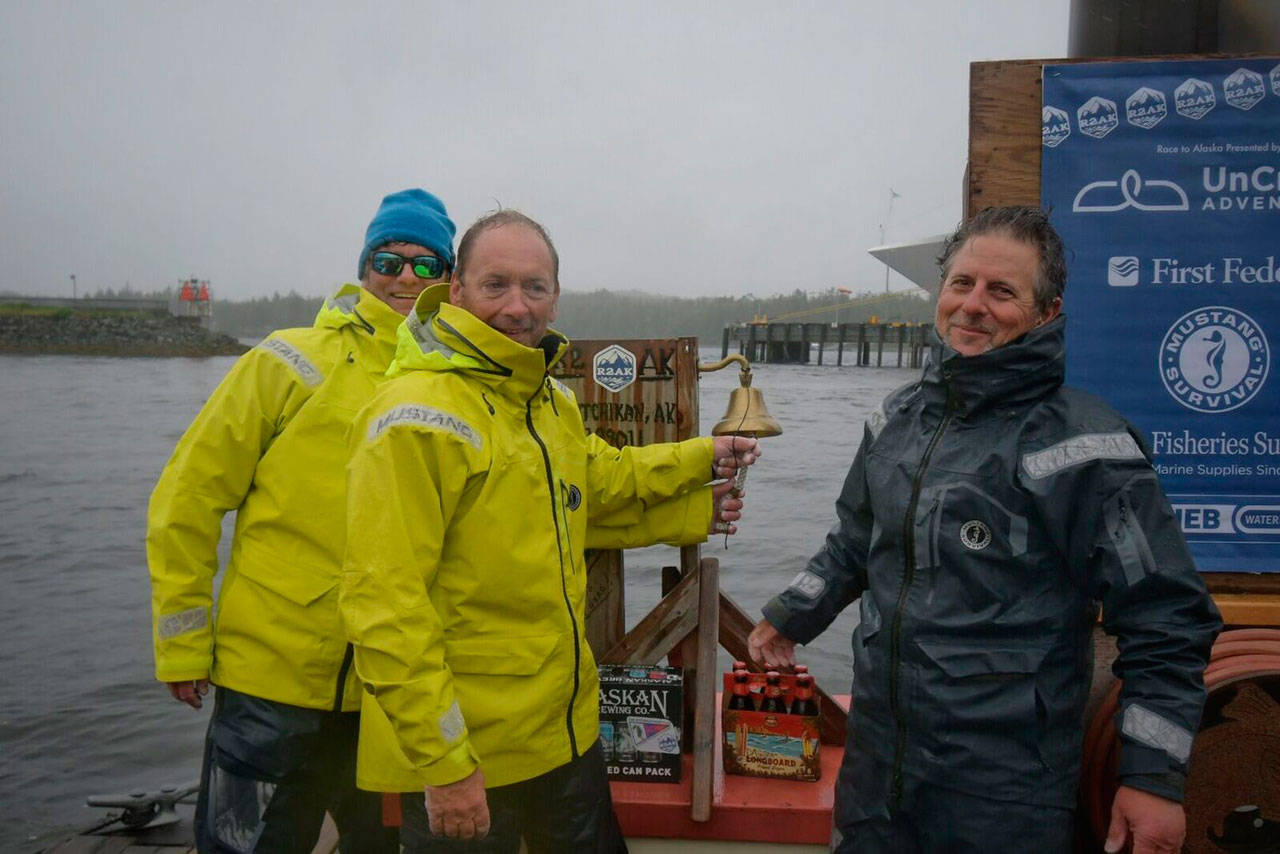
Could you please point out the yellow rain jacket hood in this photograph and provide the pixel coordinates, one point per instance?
(470, 484)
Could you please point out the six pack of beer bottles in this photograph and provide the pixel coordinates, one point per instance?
(770, 724)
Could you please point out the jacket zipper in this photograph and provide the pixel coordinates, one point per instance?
(366, 324)
(908, 574)
(564, 588)
(342, 677)
(551, 397)
(934, 518)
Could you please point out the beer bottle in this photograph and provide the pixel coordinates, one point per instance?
(741, 699)
(606, 739)
(801, 670)
(804, 704)
(772, 701)
(626, 747)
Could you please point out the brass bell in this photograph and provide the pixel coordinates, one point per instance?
(747, 415)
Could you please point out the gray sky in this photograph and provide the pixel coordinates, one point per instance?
(689, 148)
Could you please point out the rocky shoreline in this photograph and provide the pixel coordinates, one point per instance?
(101, 333)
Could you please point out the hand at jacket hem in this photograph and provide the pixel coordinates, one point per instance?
(459, 810)
(189, 691)
(1154, 824)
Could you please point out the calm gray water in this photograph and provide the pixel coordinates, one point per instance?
(82, 441)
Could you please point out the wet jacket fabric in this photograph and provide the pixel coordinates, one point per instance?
(271, 443)
(470, 482)
(989, 510)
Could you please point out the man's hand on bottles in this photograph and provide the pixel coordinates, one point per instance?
(770, 647)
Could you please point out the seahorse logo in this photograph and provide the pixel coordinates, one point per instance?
(1214, 359)
(975, 535)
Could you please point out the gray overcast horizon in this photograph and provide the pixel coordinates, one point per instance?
(681, 148)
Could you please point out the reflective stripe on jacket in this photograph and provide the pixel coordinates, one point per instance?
(989, 509)
(470, 483)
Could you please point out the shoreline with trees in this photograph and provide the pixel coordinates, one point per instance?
(582, 314)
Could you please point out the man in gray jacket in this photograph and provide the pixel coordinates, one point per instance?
(988, 513)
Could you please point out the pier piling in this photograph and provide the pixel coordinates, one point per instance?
(806, 343)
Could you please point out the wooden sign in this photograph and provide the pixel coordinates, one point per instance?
(636, 391)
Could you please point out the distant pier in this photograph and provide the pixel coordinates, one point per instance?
(875, 345)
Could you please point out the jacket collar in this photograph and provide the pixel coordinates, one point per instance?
(437, 336)
(1024, 370)
(353, 306)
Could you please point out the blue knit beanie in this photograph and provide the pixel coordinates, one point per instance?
(410, 216)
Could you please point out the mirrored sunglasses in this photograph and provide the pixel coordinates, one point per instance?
(424, 266)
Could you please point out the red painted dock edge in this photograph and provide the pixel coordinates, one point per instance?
(743, 809)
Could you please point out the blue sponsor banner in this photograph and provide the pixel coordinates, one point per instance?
(1164, 180)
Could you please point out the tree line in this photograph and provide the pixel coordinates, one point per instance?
(607, 314)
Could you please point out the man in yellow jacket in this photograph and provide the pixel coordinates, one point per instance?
(269, 444)
(469, 489)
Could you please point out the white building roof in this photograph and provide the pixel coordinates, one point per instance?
(917, 261)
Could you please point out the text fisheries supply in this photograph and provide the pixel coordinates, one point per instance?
(1186, 443)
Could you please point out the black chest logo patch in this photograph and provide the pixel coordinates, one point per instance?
(575, 497)
(975, 535)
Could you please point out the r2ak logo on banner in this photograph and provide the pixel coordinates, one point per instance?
(1055, 126)
(1168, 203)
(1097, 117)
(1194, 99)
(1243, 88)
(1146, 108)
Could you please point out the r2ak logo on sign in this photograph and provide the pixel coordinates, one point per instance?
(614, 368)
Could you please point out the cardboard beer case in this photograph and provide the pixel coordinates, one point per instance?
(768, 744)
(640, 714)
